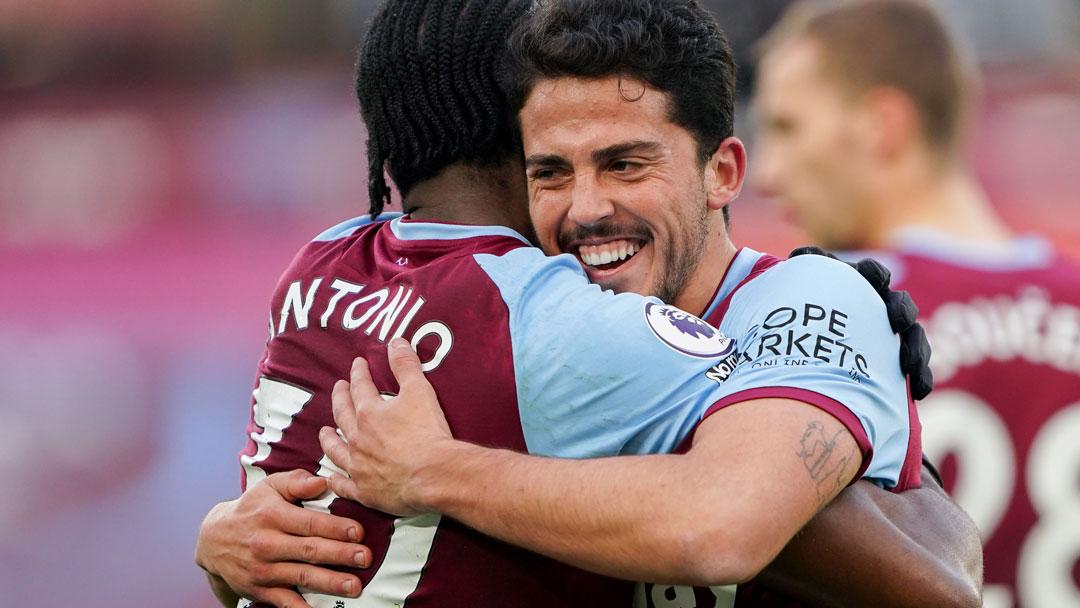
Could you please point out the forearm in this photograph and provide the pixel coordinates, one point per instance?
(926, 545)
(715, 515)
(594, 514)
(757, 471)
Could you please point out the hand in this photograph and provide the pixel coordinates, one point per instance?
(262, 545)
(902, 311)
(389, 441)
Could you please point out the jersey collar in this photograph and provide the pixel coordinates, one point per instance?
(407, 229)
(738, 269)
(1023, 252)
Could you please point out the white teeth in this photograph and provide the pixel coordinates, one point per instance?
(596, 255)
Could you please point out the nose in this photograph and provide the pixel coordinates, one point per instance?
(589, 203)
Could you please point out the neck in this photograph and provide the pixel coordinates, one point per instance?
(487, 196)
(717, 256)
(949, 201)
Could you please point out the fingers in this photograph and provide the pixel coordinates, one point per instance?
(283, 598)
(344, 409)
(810, 250)
(277, 512)
(296, 485)
(336, 450)
(914, 349)
(405, 364)
(362, 387)
(310, 578)
(275, 547)
(901, 309)
(915, 361)
(922, 383)
(345, 488)
(875, 273)
(305, 522)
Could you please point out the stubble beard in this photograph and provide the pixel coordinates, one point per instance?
(683, 261)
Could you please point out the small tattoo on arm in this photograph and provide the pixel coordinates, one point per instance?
(817, 449)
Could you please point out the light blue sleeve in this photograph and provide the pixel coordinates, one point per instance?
(812, 329)
(594, 376)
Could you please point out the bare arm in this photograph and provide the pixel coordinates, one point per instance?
(261, 545)
(927, 544)
(672, 518)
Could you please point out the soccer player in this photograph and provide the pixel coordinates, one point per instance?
(864, 112)
(498, 327)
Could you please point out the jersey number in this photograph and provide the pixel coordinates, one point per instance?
(648, 595)
(276, 405)
(957, 422)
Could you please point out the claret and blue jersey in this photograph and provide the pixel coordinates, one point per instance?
(526, 354)
(1004, 319)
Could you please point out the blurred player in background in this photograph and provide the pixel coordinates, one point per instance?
(864, 110)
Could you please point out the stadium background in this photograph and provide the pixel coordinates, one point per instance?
(159, 164)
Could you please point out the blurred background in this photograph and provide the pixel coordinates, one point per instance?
(160, 162)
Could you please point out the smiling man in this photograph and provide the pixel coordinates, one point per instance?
(800, 394)
(634, 151)
(626, 119)
(624, 206)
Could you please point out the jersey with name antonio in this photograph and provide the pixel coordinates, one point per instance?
(1003, 421)
(525, 354)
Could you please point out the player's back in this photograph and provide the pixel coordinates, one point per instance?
(345, 295)
(1004, 417)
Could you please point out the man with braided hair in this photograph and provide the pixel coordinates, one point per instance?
(454, 114)
(525, 355)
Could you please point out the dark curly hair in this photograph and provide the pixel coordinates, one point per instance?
(675, 46)
(427, 82)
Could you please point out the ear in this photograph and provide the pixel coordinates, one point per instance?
(725, 173)
(893, 123)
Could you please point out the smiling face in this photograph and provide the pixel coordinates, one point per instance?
(617, 184)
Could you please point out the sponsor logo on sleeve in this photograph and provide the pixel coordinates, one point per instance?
(805, 334)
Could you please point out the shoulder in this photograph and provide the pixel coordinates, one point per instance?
(523, 271)
(810, 277)
(330, 244)
(803, 306)
(811, 269)
(529, 260)
(321, 255)
(350, 226)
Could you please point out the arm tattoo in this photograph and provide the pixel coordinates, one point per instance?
(816, 451)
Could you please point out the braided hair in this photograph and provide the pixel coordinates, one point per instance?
(427, 79)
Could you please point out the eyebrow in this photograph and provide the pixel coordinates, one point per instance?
(545, 160)
(611, 152)
(600, 156)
